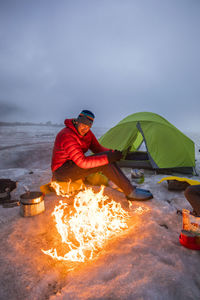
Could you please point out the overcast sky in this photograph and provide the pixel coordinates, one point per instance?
(114, 57)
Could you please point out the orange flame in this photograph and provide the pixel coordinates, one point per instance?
(59, 190)
(86, 227)
(64, 189)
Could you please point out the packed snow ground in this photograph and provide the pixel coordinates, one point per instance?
(145, 262)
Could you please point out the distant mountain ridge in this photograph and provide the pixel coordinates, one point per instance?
(49, 123)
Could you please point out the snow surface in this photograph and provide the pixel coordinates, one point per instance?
(145, 262)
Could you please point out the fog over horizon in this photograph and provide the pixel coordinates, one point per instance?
(112, 57)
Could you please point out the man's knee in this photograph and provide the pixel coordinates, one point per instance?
(190, 190)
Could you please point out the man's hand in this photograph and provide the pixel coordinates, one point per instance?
(114, 155)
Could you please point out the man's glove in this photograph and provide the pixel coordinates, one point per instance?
(114, 155)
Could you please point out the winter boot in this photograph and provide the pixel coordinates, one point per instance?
(139, 195)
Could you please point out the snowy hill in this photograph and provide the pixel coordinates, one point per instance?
(146, 261)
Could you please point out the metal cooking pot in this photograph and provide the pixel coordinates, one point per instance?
(31, 197)
(31, 204)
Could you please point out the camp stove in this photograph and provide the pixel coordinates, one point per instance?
(6, 186)
(190, 233)
(31, 203)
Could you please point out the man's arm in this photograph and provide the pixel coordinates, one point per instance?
(96, 147)
(76, 154)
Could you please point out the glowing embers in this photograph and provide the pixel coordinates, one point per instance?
(85, 227)
(140, 210)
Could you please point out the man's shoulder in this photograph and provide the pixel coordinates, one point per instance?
(66, 132)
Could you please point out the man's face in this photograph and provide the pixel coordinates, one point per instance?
(83, 128)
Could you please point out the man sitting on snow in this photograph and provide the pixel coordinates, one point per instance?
(69, 161)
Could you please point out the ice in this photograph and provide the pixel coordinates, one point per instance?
(146, 261)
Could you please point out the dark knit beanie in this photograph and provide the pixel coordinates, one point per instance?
(86, 117)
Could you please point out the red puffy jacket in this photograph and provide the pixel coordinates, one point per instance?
(70, 145)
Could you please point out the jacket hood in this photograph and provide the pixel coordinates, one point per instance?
(69, 124)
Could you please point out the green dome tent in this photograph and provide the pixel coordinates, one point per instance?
(167, 147)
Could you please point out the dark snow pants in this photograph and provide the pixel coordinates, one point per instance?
(192, 194)
(70, 171)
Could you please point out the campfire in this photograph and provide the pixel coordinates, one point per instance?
(86, 226)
